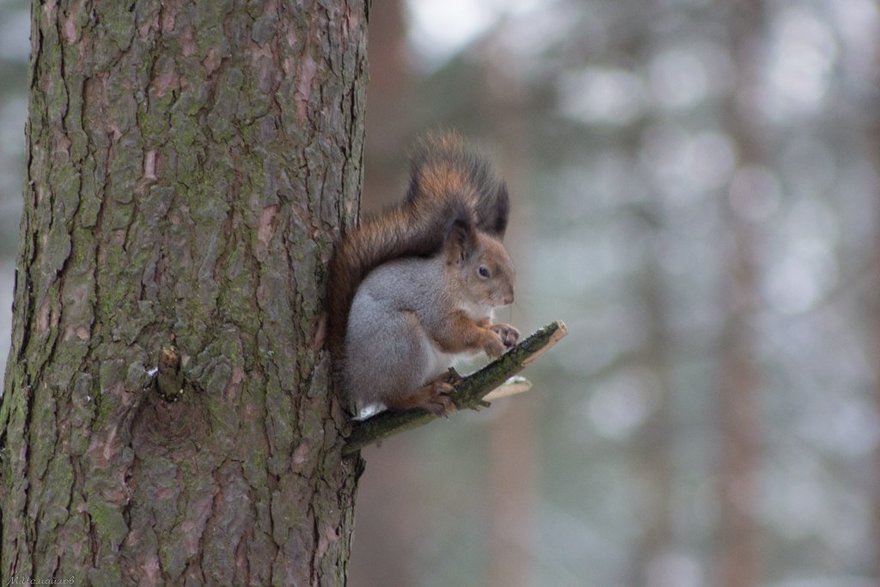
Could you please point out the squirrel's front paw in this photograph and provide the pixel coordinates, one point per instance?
(494, 345)
(508, 334)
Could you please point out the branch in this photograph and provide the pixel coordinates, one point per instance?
(469, 392)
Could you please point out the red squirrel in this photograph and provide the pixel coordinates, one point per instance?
(414, 287)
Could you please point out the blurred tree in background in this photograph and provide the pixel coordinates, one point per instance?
(696, 194)
(14, 50)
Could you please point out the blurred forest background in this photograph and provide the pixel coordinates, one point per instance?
(696, 195)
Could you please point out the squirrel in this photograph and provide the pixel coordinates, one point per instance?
(413, 288)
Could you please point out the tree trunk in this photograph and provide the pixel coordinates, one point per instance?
(655, 462)
(739, 563)
(872, 308)
(189, 167)
(390, 512)
(512, 464)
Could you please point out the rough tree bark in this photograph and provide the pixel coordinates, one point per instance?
(190, 164)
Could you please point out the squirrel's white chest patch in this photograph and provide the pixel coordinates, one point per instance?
(476, 311)
(437, 361)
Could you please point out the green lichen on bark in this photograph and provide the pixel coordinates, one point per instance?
(189, 167)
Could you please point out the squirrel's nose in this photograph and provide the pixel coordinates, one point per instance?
(508, 299)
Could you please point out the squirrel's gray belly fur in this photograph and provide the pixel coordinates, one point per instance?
(391, 316)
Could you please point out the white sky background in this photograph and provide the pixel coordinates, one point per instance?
(438, 30)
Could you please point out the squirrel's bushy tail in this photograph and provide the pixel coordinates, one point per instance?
(449, 185)
(444, 167)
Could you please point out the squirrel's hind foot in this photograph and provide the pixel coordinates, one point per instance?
(433, 397)
(440, 403)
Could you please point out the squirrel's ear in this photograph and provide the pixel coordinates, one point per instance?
(460, 240)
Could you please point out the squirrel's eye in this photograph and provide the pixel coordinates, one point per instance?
(483, 271)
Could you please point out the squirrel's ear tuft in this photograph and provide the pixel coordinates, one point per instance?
(497, 212)
(461, 240)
